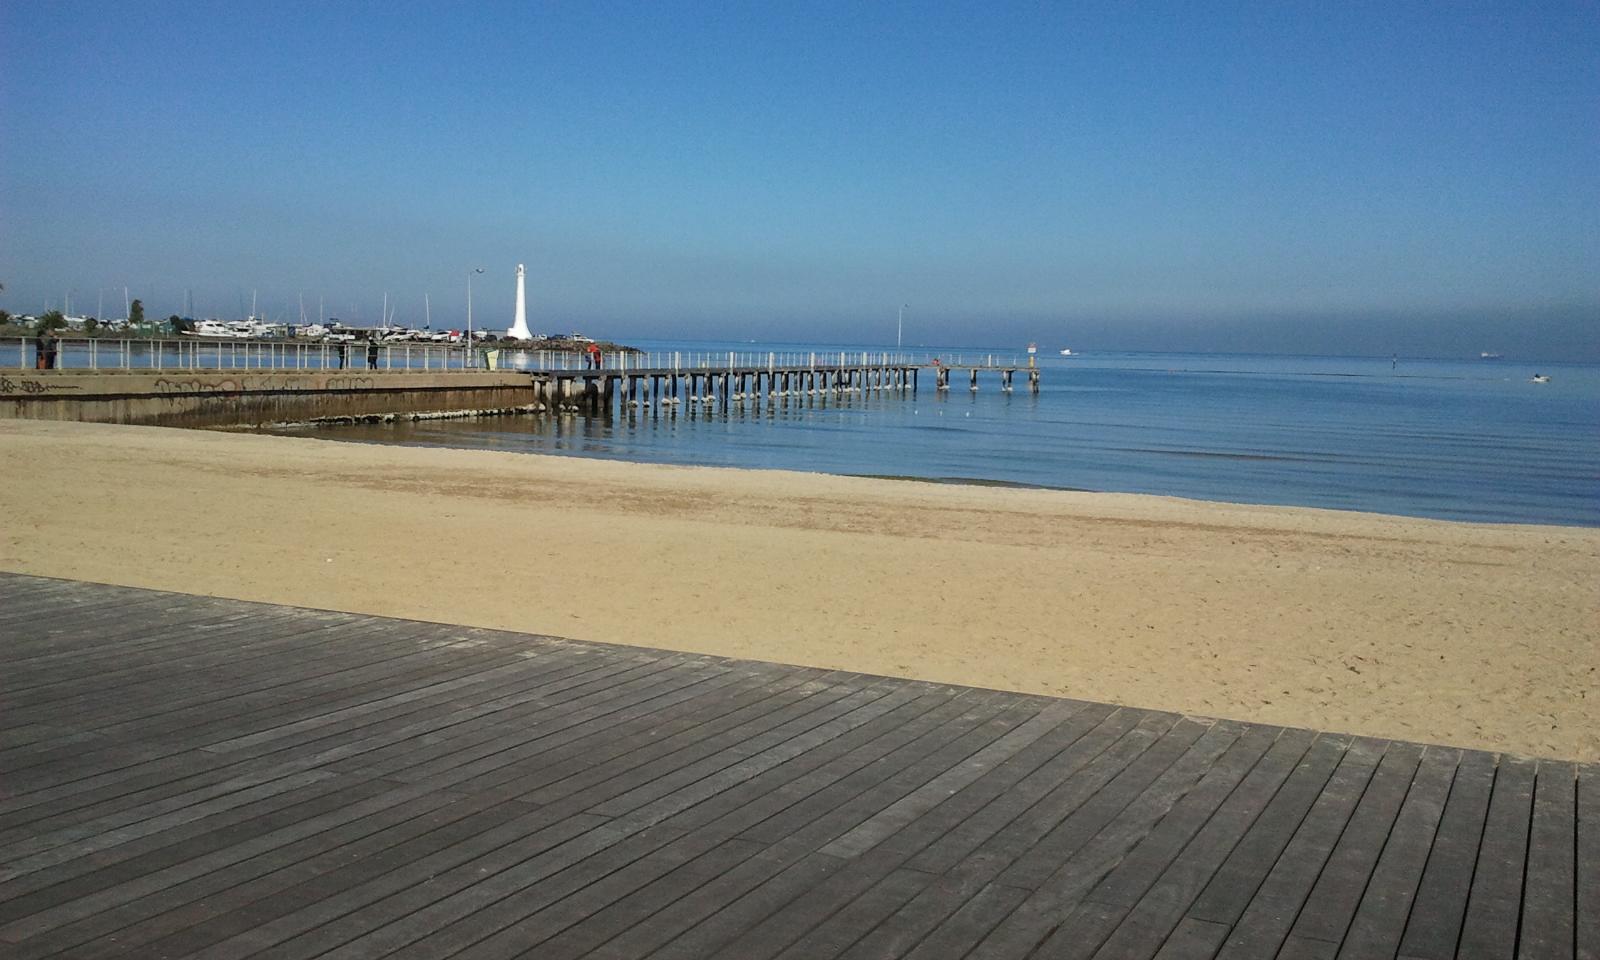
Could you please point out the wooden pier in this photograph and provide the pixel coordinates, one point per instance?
(204, 778)
(604, 389)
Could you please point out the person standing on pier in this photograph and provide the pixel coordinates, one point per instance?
(595, 355)
(41, 350)
(372, 353)
(341, 354)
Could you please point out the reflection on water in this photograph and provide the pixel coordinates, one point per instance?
(1460, 440)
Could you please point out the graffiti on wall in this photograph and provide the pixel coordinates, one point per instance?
(196, 385)
(32, 387)
(268, 382)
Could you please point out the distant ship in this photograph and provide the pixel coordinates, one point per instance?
(1488, 356)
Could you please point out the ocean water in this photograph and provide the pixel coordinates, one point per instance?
(1461, 440)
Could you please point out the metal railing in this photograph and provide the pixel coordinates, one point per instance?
(139, 355)
(754, 360)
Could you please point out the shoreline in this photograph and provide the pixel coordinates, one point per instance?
(1351, 622)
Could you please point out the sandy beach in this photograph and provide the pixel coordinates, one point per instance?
(1473, 635)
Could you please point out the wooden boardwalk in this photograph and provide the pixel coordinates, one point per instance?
(192, 777)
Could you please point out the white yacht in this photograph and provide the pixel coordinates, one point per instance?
(208, 328)
(251, 329)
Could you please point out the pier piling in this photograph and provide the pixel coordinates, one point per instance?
(719, 388)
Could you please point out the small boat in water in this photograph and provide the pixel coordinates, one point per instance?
(1540, 378)
(1488, 356)
(1067, 352)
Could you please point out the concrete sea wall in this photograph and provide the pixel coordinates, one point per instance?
(223, 398)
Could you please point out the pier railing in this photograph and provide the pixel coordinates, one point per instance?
(101, 353)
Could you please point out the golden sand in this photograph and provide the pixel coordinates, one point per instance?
(1468, 634)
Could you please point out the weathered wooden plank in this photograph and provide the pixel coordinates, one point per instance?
(1055, 910)
(202, 769)
(203, 875)
(1194, 939)
(862, 914)
(859, 755)
(671, 803)
(1495, 903)
(1093, 732)
(805, 827)
(516, 761)
(1267, 918)
(1333, 901)
(1068, 798)
(903, 811)
(1548, 895)
(616, 795)
(1067, 807)
(705, 937)
(1307, 948)
(520, 764)
(1226, 894)
(497, 675)
(240, 779)
(1157, 883)
(972, 923)
(822, 779)
(222, 701)
(1587, 881)
(276, 884)
(96, 873)
(1044, 860)
(866, 871)
(233, 649)
(25, 734)
(571, 928)
(487, 893)
(313, 680)
(585, 697)
(1435, 924)
(364, 911)
(635, 861)
(1391, 886)
(101, 633)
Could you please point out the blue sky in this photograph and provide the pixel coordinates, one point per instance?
(1320, 177)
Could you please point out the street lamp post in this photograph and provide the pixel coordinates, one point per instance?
(467, 356)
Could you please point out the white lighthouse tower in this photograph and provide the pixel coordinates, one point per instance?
(519, 324)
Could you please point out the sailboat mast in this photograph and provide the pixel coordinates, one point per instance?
(427, 313)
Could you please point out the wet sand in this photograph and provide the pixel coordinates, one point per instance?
(1467, 634)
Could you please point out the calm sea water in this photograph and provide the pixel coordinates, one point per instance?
(1462, 440)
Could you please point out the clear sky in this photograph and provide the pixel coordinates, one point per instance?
(1344, 177)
